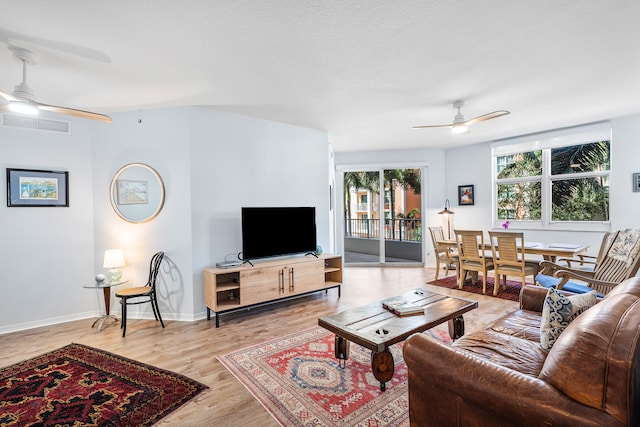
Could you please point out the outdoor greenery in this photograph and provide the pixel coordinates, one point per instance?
(579, 184)
(404, 178)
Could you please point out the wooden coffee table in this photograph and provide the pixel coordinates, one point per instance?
(377, 328)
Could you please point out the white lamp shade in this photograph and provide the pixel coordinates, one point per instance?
(113, 258)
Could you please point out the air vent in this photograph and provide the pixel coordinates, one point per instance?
(35, 123)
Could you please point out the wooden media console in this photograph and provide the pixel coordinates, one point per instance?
(237, 288)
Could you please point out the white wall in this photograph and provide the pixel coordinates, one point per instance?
(47, 253)
(238, 161)
(472, 165)
(211, 163)
(162, 140)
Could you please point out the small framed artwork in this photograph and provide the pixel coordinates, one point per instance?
(465, 195)
(31, 187)
(636, 182)
(132, 192)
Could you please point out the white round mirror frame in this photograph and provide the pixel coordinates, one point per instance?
(113, 192)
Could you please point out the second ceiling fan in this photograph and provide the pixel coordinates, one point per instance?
(459, 124)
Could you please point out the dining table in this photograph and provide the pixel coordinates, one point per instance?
(548, 251)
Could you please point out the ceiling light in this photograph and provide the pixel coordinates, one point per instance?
(459, 128)
(23, 107)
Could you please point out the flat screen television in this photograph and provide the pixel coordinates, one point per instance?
(276, 231)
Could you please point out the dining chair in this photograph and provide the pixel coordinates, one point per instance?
(509, 258)
(585, 262)
(142, 294)
(472, 257)
(442, 252)
(620, 261)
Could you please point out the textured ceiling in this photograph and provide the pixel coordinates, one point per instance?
(365, 71)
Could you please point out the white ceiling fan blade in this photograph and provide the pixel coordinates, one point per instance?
(487, 116)
(7, 36)
(432, 126)
(7, 96)
(73, 112)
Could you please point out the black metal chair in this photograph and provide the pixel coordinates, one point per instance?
(142, 294)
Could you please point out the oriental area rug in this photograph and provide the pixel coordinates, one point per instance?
(511, 292)
(83, 386)
(299, 381)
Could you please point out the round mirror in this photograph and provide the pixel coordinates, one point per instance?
(137, 193)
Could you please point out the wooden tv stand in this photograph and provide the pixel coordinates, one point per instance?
(237, 288)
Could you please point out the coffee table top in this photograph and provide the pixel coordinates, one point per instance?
(376, 328)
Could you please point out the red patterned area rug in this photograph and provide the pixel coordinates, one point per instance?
(512, 291)
(83, 386)
(298, 380)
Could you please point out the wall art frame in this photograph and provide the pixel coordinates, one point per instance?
(466, 195)
(132, 192)
(37, 188)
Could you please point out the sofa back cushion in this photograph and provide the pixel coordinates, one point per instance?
(596, 360)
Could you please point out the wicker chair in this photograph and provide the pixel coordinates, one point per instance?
(473, 258)
(142, 294)
(620, 261)
(442, 252)
(508, 258)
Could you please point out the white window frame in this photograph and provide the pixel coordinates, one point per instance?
(546, 141)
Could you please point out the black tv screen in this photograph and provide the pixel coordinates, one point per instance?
(274, 231)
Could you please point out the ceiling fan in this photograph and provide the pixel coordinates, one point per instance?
(22, 100)
(460, 125)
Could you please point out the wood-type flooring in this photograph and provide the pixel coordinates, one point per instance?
(190, 348)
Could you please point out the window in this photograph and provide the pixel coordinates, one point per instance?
(560, 181)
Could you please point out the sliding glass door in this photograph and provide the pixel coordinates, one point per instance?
(361, 216)
(382, 221)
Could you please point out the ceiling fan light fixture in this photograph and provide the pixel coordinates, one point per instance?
(23, 107)
(459, 128)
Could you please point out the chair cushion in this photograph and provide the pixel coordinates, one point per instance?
(547, 281)
(573, 287)
(560, 310)
(521, 323)
(577, 288)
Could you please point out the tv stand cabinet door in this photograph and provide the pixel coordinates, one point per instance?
(306, 276)
(262, 284)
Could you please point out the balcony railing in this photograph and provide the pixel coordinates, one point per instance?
(400, 229)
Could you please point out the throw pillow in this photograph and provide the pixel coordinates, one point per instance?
(560, 310)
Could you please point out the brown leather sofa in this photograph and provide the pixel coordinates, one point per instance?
(501, 376)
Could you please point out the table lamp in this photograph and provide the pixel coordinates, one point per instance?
(446, 211)
(113, 260)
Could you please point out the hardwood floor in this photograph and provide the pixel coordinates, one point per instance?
(191, 348)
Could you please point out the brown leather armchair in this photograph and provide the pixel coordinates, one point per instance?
(501, 376)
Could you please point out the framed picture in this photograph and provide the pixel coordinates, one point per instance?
(132, 192)
(465, 195)
(31, 187)
(636, 182)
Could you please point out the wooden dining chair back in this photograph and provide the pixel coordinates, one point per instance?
(444, 254)
(620, 261)
(472, 257)
(508, 251)
(143, 294)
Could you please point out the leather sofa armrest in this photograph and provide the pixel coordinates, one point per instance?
(447, 384)
(532, 298)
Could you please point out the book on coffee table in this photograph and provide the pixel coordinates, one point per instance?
(402, 308)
